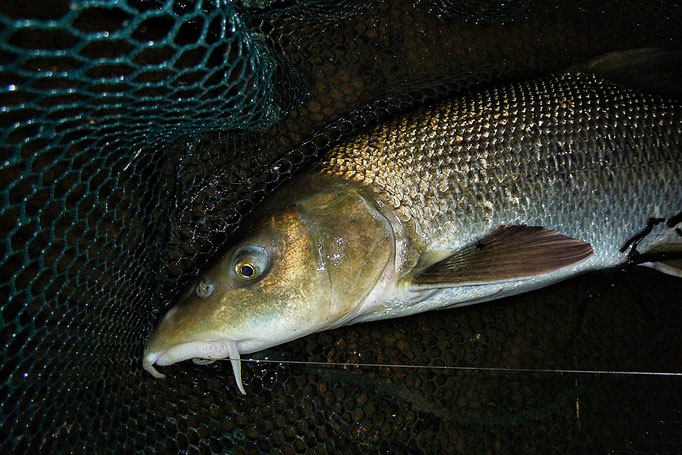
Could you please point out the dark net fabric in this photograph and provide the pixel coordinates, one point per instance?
(135, 135)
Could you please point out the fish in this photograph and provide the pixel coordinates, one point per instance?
(485, 195)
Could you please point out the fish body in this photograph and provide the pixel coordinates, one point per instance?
(482, 196)
(572, 153)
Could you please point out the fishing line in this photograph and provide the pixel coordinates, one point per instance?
(462, 368)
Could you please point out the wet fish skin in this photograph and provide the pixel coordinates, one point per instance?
(535, 152)
(571, 153)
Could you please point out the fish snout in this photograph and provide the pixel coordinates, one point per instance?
(209, 349)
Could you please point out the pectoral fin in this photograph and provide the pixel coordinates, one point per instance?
(507, 253)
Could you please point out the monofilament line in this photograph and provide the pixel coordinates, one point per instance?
(461, 368)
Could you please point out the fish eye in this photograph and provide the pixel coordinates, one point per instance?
(251, 262)
(204, 288)
(245, 269)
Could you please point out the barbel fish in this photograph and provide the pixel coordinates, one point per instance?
(483, 196)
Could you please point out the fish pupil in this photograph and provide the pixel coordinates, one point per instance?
(247, 271)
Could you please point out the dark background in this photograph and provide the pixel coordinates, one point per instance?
(136, 135)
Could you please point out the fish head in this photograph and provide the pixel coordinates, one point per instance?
(302, 268)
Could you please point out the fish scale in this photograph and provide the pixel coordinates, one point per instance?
(528, 152)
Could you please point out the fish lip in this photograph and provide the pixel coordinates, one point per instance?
(212, 349)
(148, 362)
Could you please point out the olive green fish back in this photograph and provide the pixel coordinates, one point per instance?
(531, 152)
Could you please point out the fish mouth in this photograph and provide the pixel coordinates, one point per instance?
(202, 349)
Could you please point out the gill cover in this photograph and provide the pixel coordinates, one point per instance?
(306, 265)
(355, 244)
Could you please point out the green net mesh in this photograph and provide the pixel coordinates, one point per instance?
(135, 135)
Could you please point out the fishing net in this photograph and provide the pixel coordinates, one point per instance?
(136, 134)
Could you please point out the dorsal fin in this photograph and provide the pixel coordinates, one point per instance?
(654, 70)
(507, 253)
